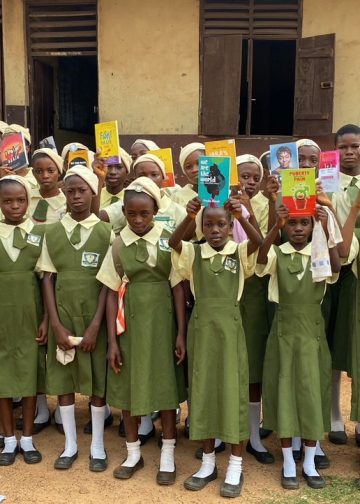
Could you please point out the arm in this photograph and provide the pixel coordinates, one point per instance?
(272, 187)
(322, 216)
(88, 343)
(282, 215)
(192, 208)
(113, 355)
(180, 310)
(44, 327)
(253, 235)
(61, 333)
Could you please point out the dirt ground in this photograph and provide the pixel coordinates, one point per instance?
(40, 483)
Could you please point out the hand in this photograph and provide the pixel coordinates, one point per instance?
(321, 197)
(43, 332)
(62, 338)
(114, 357)
(5, 171)
(193, 207)
(282, 216)
(180, 350)
(322, 216)
(234, 206)
(271, 188)
(99, 167)
(88, 343)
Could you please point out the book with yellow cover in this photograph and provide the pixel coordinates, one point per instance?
(224, 148)
(79, 157)
(166, 157)
(107, 141)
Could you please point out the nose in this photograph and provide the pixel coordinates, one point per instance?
(305, 164)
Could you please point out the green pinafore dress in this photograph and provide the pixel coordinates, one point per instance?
(297, 367)
(355, 346)
(149, 379)
(22, 360)
(218, 361)
(77, 293)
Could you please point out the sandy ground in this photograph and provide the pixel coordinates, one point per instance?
(38, 484)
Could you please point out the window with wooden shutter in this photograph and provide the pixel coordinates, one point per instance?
(62, 28)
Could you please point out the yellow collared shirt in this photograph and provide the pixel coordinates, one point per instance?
(7, 237)
(56, 209)
(184, 195)
(105, 198)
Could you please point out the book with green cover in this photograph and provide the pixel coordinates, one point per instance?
(214, 180)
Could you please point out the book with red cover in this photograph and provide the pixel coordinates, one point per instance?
(13, 151)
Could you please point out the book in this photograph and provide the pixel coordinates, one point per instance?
(329, 169)
(214, 180)
(166, 157)
(49, 143)
(224, 148)
(13, 151)
(79, 157)
(299, 191)
(107, 142)
(283, 157)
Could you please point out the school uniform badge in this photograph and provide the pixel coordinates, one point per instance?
(90, 259)
(230, 265)
(164, 245)
(33, 239)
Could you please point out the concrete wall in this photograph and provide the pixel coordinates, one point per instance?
(149, 65)
(342, 18)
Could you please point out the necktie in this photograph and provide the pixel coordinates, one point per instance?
(142, 253)
(40, 211)
(114, 199)
(216, 266)
(75, 237)
(296, 265)
(18, 240)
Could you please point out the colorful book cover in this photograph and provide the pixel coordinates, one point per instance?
(329, 169)
(79, 157)
(107, 141)
(13, 151)
(48, 143)
(166, 157)
(298, 191)
(283, 157)
(214, 180)
(224, 148)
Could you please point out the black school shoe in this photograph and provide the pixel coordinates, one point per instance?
(98, 465)
(262, 457)
(107, 423)
(144, 438)
(298, 454)
(37, 427)
(315, 482)
(232, 491)
(31, 456)
(7, 459)
(289, 482)
(264, 433)
(199, 452)
(322, 461)
(338, 437)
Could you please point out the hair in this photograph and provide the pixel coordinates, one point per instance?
(351, 129)
(281, 149)
(8, 182)
(41, 155)
(130, 194)
(227, 212)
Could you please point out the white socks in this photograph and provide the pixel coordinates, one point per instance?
(134, 454)
(69, 425)
(234, 470)
(318, 450)
(146, 425)
(289, 465)
(167, 458)
(337, 422)
(296, 443)
(309, 462)
(26, 443)
(43, 413)
(207, 466)
(107, 410)
(254, 417)
(97, 449)
(57, 415)
(10, 444)
(217, 443)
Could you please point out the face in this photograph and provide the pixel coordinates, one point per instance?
(299, 230)
(46, 173)
(138, 150)
(250, 177)
(191, 166)
(309, 156)
(13, 202)
(139, 211)
(116, 174)
(349, 147)
(284, 159)
(149, 170)
(78, 194)
(216, 227)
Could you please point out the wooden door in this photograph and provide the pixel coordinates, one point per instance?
(314, 86)
(42, 111)
(220, 86)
